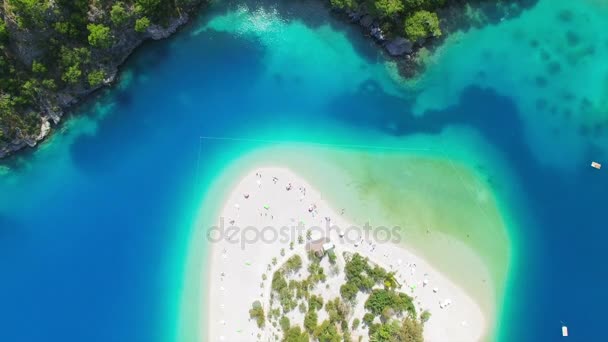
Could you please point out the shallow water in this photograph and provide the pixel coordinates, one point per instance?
(95, 226)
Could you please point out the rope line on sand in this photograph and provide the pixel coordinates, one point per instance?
(270, 141)
(198, 167)
(441, 151)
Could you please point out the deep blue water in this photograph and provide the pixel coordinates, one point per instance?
(92, 225)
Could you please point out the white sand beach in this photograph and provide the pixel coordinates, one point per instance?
(270, 198)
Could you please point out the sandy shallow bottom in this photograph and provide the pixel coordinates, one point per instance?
(239, 257)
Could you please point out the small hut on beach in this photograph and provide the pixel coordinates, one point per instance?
(319, 246)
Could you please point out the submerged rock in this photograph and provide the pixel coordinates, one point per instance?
(399, 46)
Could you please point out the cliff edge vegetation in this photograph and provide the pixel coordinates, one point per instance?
(405, 27)
(54, 52)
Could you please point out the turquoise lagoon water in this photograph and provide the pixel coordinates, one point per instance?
(95, 225)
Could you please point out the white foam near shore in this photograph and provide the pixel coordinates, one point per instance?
(268, 199)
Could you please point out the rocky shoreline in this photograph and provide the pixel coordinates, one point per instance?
(54, 105)
(455, 17)
(397, 48)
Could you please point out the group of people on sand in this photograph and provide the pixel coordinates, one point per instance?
(313, 210)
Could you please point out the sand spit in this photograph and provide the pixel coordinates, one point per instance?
(269, 208)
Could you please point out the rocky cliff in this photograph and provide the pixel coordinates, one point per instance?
(30, 44)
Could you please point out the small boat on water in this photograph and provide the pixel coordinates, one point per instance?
(596, 165)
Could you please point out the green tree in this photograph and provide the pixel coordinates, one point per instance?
(49, 84)
(284, 323)
(388, 8)
(72, 74)
(62, 27)
(29, 13)
(356, 323)
(99, 36)
(410, 331)
(142, 24)
(149, 7)
(368, 319)
(71, 61)
(332, 257)
(346, 336)
(414, 4)
(343, 4)
(29, 89)
(422, 24)
(310, 320)
(295, 334)
(316, 272)
(118, 14)
(3, 32)
(425, 316)
(337, 310)
(386, 332)
(70, 57)
(379, 300)
(257, 312)
(378, 274)
(315, 302)
(327, 332)
(38, 68)
(96, 78)
(157, 10)
(349, 291)
(293, 264)
(358, 273)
